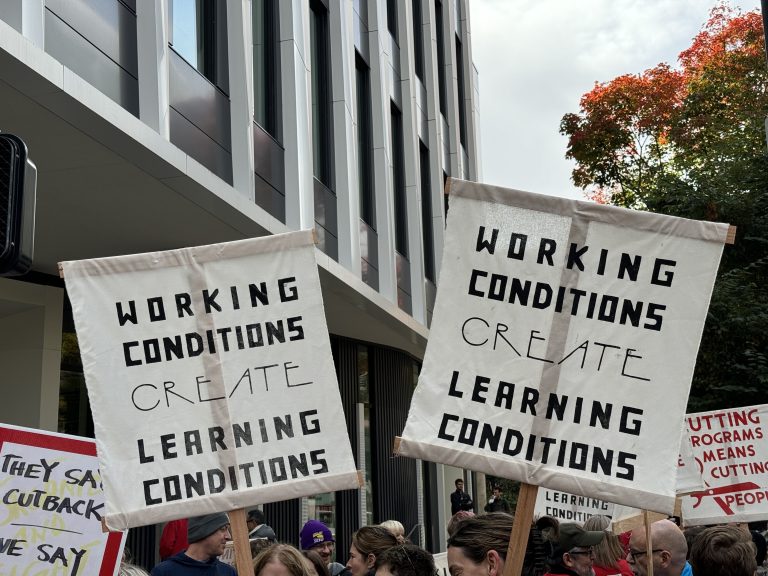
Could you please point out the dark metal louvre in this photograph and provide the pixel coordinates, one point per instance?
(284, 518)
(6, 153)
(391, 388)
(347, 501)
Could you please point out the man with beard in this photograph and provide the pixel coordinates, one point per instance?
(207, 536)
(668, 551)
(460, 500)
(573, 555)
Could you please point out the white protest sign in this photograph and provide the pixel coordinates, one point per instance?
(569, 507)
(688, 472)
(563, 343)
(50, 521)
(731, 450)
(210, 376)
(441, 564)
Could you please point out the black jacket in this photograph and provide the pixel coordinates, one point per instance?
(460, 500)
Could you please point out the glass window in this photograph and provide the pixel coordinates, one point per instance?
(363, 378)
(266, 65)
(440, 55)
(426, 213)
(398, 181)
(461, 93)
(365, 142)
(197, 36)
(322, 140)
(392, 18)
(418, 40)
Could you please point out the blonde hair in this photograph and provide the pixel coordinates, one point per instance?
(284, 554)
(396, 528)
(609, 551)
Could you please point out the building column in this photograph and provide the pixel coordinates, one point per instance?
(27, 17)
(381, 93)
(152, 46)
(297, 127)
(240, 50)
(30, 353)
(345, 136)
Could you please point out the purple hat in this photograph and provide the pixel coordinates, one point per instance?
(314, 532)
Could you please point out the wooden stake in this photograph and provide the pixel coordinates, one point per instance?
(648, 543)
(518, 540)
(239, 530)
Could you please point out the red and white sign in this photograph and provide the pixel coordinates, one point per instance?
(730, 448)
(50, 521)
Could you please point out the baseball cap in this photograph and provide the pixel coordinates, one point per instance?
(572, 536)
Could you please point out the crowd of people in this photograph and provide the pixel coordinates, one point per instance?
(477, 545)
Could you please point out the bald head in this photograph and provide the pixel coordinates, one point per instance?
(669, 543)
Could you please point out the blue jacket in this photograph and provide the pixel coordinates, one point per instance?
(183, 565)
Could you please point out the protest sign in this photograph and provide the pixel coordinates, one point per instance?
(730, 449)
(688, 472)
(569, 507)
(563, 343)
(210, 376)
(50, 521)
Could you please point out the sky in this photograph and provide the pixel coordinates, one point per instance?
(536, 58)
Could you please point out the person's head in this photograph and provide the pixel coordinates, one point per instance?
(574, 548)
(459, 483)
(405, 560)
(723, 551)
(255, 518)
(609, 551)
(668, 550)
(367, 544)
(478, 545)
(397, 529)
(496, 491)
(455, 519)
(207, 535)
(690, 534)
(317, 536)
(319, 567)
(281, 560)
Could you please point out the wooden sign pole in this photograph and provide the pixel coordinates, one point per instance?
(239, 530)
(518, 540)
(648, 543)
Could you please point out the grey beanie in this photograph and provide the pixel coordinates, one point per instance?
(201, 527)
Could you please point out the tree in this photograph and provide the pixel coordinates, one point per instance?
(690, 141)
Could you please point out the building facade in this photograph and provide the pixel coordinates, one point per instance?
(159, 124)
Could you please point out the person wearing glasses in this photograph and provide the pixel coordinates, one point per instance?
(258, 528)
(573, 553)
(317, 536)
(668, 552)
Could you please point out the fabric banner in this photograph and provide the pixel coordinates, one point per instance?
(569, 507)
(50, 521)
(732, 453)
(559, 327)
(211, 379)
(689, 477)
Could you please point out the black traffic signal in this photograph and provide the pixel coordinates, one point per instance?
(18, 179)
